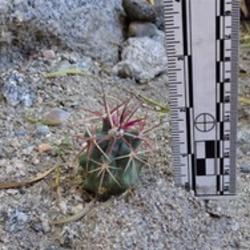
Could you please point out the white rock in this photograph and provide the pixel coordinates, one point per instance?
(143, 59)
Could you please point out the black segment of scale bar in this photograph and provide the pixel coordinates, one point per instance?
(184, 27)
(189, 83)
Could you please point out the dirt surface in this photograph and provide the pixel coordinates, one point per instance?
(155, 215)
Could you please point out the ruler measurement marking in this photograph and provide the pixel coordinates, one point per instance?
(235, 42)
(222, 99)
(171, 38)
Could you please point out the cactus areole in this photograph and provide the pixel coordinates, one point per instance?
(112, 158)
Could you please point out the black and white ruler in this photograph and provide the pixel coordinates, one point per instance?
(202, 50)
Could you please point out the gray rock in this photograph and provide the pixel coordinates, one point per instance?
(142, 59)
(141, 29)
(243, 138)
(16, 89)
(139, 10)
(17, 221)
(42, 130)
(92, 27)
(245, 169)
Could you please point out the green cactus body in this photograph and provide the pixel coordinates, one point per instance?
(112, 161)
(112, 166)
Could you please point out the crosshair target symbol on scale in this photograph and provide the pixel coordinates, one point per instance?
(204, 122)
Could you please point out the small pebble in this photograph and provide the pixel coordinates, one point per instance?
(37, 226)
(44, 148)
(35, 161)
(45, 223)
(28, 150)
(21, 132)
(141, 29)
(42, 130)
(12, 191)
(245, 169)
(77, 209)
(56, 117)
(49, 54)
(235, 226)
(139, 10)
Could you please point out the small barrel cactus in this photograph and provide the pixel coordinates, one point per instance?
(112, 158)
